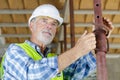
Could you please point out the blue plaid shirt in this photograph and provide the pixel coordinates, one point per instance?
(19, 66)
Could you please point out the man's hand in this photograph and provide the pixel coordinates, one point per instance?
(108, 26)
(85, 43)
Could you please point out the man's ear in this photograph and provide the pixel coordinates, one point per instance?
(31, 26)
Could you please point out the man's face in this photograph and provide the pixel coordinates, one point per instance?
(44, 29)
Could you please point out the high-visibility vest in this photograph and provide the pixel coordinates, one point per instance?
(35, 56)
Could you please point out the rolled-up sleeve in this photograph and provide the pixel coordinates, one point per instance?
(19, 66)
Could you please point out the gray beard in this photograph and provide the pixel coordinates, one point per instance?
(45, 40)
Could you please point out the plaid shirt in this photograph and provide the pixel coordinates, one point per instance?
(19, 66)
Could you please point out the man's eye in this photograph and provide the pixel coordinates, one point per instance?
(43, 20)
(55, 24)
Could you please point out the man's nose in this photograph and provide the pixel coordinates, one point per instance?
(49, 25)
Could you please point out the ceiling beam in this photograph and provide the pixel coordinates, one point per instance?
(26, 25)
(28, 35)
(13, 25)
(111, 36)
(92, 12)
(15, 35)
(8, 11)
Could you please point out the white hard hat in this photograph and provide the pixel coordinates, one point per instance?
(47, 10)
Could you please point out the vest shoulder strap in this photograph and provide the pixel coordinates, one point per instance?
(30, 51)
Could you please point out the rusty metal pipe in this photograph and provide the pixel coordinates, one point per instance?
(101, 46)
(72, 32)
(65, 40)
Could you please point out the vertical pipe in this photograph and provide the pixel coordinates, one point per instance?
(101, 48)
(65, 41)
(72, 33)
(61, 46)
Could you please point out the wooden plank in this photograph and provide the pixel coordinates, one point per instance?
(30, 4)
(79, 18)
(110, 40)
(86, 4)
(3, 4)
(103, 3)
(16, 4)
(111, 51)
(8, 30)
(22, 30)
(28, 16)
(116, 40)
(5, 18)
(89, 18)
(112, 5)
(76, 4)
(11, 40)
(19, 18)
(118, 51)
(116, 18)
(78, 30)
(115, 31)
(54, 2)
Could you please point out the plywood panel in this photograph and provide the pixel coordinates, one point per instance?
(89, 18)
(3, 4)
(103, 3)
(76, 4)
(115, 31)
(11, 40)
(116, 18)
(78, 30)
(54, 2)
(116, 40)
(79, 18)
(16, 4)
(19, 18)
(30, 4)
(110, 40)
(112, 4)
(86, 4)
(8, 30)
(5, 18)
(22, 30)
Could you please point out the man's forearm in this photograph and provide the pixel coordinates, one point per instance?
(67, 58)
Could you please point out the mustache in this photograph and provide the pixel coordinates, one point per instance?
(47, 31)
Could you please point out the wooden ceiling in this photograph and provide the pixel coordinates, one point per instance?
(14, 15)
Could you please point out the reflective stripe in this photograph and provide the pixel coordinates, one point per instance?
(1, 67)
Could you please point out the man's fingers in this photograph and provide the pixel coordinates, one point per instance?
(84, 33)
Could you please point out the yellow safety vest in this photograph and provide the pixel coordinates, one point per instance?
(35, 56)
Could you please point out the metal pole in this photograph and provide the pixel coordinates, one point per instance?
(101, 48)
(61, 46)
(72, 33)
(65, 41)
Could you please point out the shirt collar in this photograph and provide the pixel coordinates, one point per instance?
(37, 48)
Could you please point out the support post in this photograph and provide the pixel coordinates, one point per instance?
(72, 32)
(101, 46)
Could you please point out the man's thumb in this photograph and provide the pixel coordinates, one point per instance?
(84, 33)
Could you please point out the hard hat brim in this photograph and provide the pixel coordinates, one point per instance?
(58, 18)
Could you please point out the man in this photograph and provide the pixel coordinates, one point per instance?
(32, 60)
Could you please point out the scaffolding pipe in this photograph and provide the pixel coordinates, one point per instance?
(65, 34)
(101, 46)
(72, 32)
